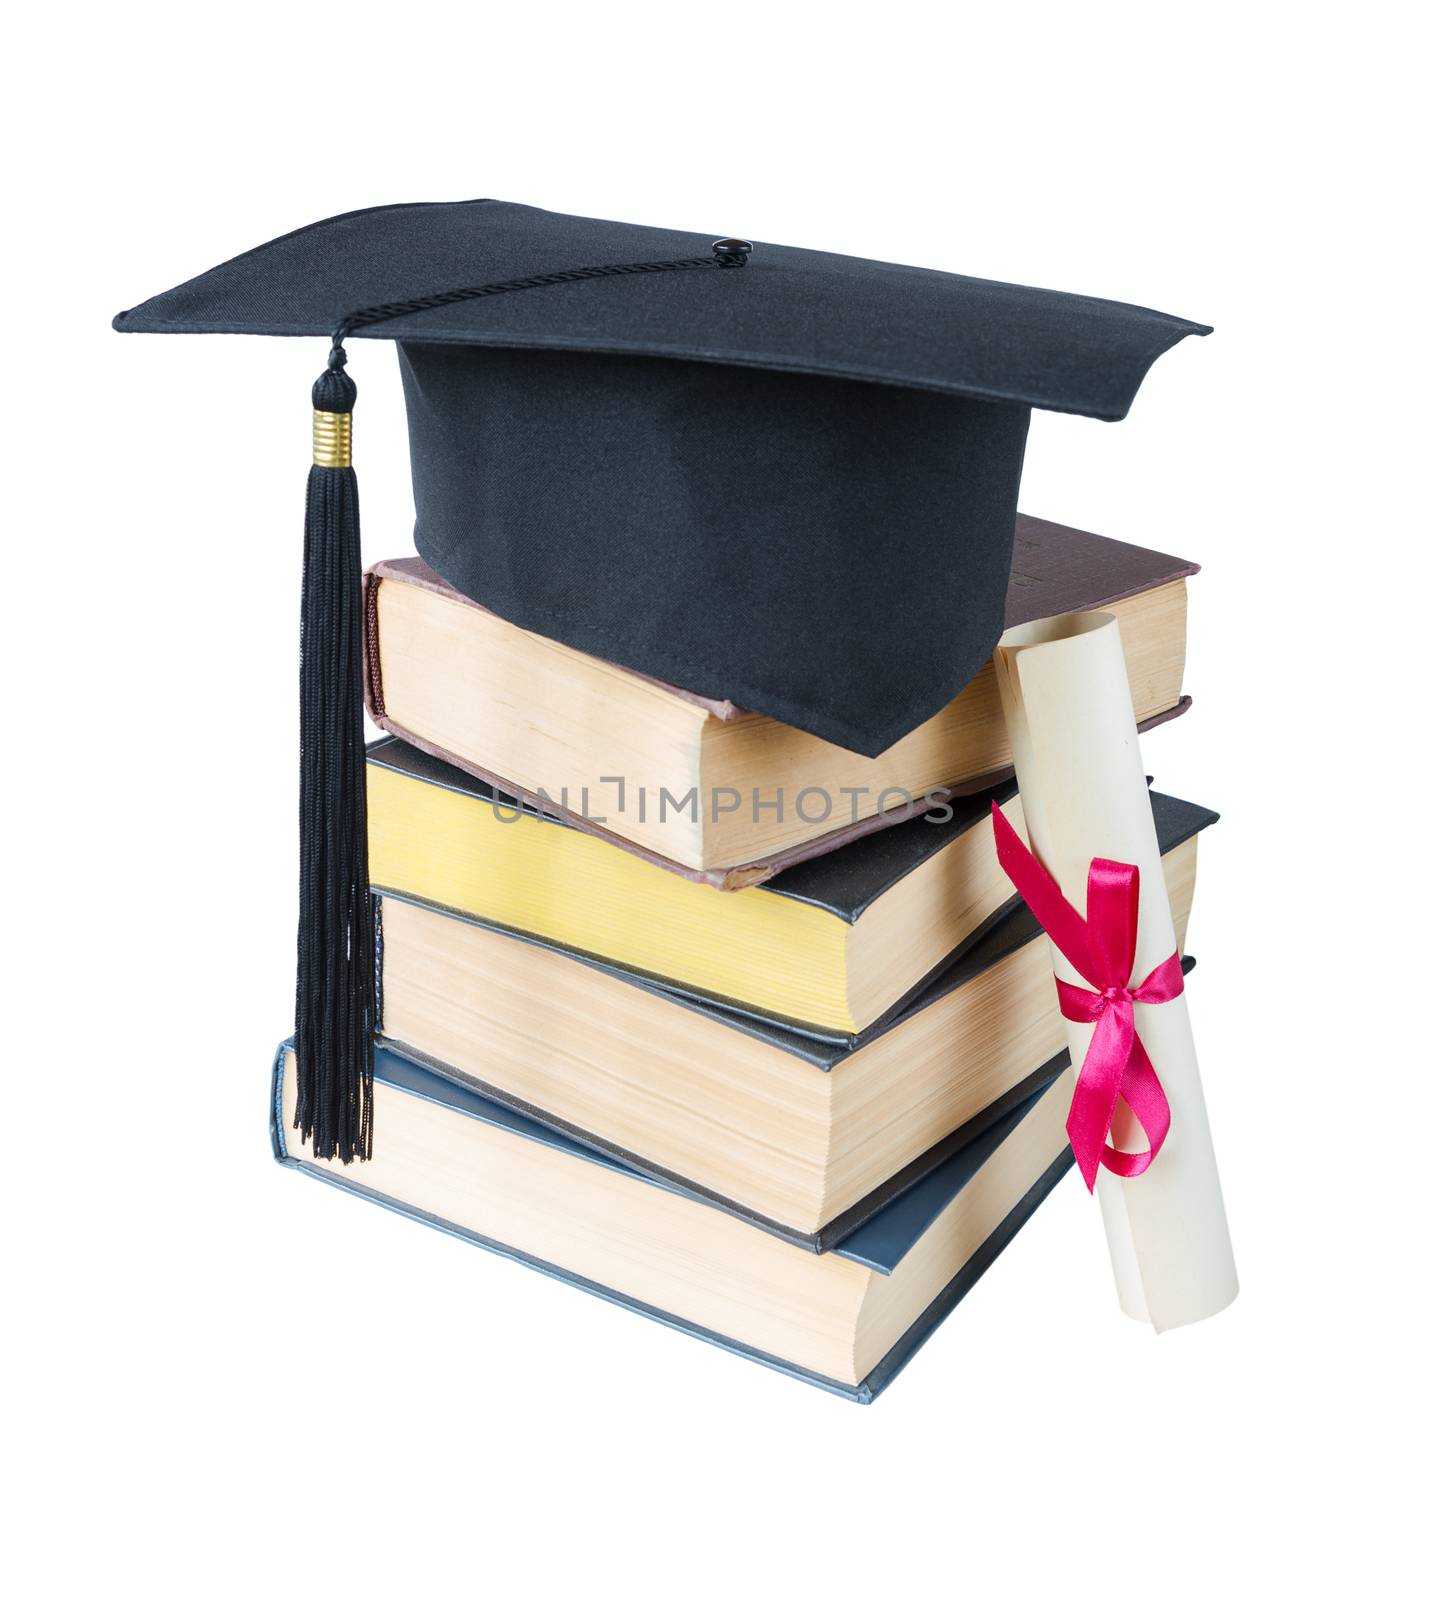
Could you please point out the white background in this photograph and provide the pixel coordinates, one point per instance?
(223, 1380)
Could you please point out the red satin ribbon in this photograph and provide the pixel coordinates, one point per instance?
(1101, 950)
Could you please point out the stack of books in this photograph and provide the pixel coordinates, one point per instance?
(703, 1014)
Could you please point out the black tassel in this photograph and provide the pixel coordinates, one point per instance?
(335, 981)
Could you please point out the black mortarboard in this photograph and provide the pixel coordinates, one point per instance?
(791, 486)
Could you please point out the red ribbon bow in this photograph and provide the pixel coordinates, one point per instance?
(1101, 950)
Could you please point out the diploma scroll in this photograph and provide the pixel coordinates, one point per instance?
(1067, 703)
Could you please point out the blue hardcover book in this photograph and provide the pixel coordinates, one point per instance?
(847, 1320)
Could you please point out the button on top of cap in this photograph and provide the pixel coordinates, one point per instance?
(732, 252)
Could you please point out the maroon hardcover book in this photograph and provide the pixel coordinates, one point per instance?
(1056, 569)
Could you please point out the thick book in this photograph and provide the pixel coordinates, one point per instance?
(847, 1321)
(786, 1129)
(828, 946)
(698, 784)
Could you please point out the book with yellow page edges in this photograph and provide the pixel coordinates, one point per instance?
(828, 947)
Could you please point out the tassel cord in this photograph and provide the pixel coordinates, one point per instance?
(334, 989)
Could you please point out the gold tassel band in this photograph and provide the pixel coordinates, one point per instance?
(332, 438)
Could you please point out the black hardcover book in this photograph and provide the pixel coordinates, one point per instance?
(827, 947)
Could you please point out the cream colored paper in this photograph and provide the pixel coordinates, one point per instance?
(1066, 700)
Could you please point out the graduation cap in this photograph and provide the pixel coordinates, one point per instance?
(771, 475)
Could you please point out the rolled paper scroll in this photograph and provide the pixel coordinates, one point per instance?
(1070, 718)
